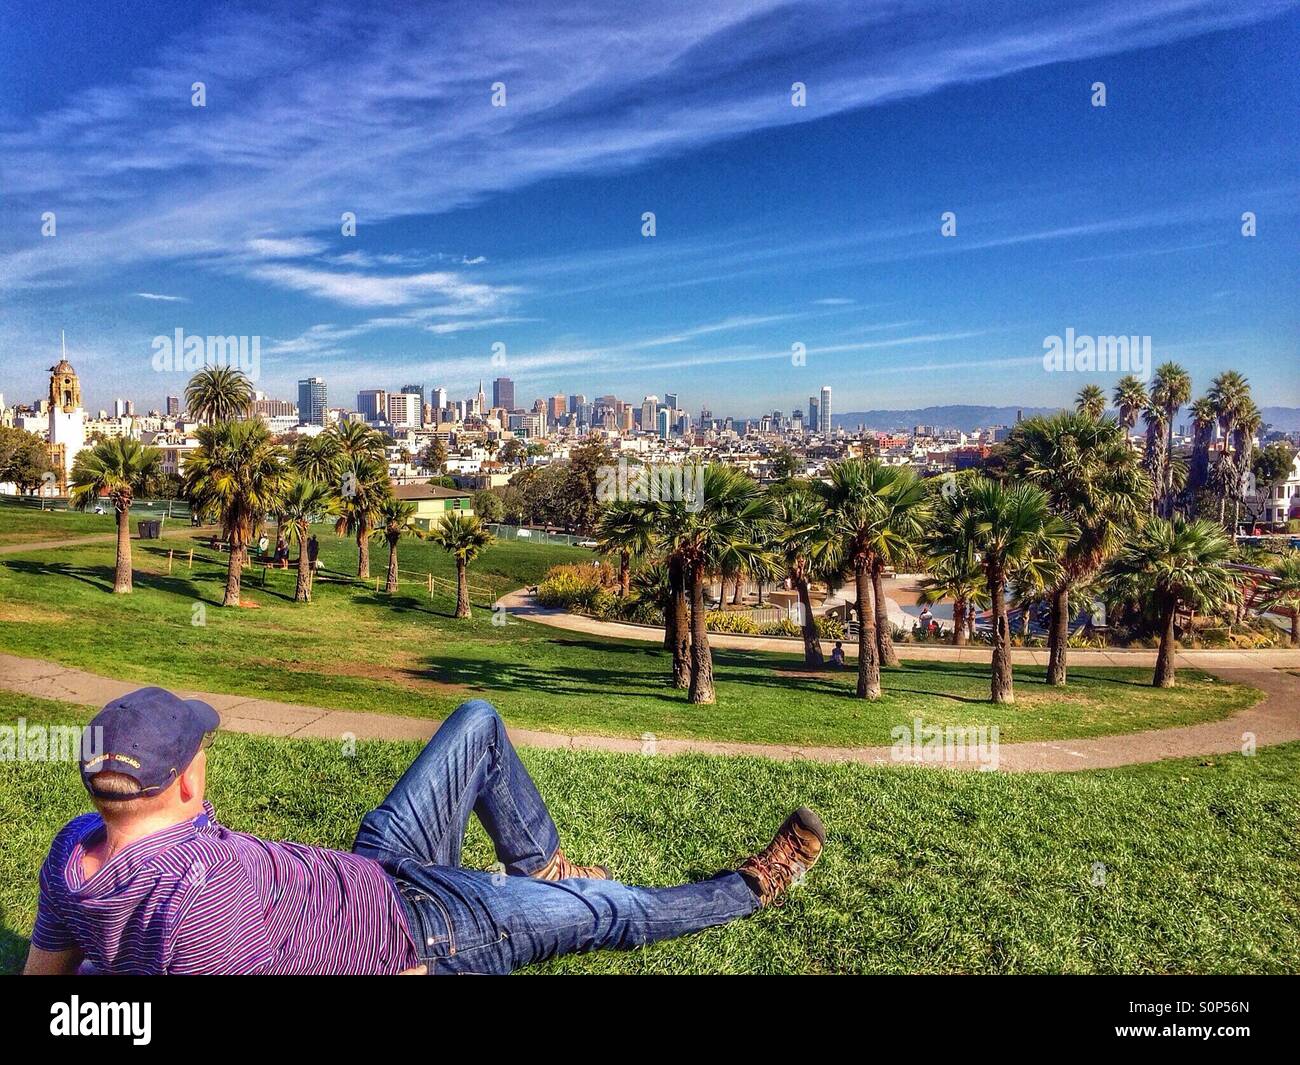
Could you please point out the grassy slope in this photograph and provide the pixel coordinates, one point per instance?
(927, 871)
(355, 649)
(21, 522)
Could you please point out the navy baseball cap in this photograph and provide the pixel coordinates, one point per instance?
(149, 735)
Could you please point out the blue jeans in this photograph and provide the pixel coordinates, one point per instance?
(467, 921)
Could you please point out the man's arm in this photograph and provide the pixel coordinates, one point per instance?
(52, 962)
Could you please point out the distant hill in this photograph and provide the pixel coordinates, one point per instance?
(967, 417)
(958, 416)
(1283, 419)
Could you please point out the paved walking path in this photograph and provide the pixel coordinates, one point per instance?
(521, 605)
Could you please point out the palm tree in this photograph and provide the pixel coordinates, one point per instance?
(219, 394)
(1204, 417)
(1154, 457)
(905, 511)
(625, 528)
(238, 471)
(358, 440)
(1093, 479)
(1173, 564)
(1130, 399)
(1091, 401)
(805, 538)
(1249, 422)
(954, 576)
(1014, 531)
(953, 568)
(362, 488)
(1283, 595)
(855, 497)
(1170, 390)
(305, 501)
(114, 469)
(317, 457)
(1230, 394)
(713, 533)
(396, 517)
(464, 537)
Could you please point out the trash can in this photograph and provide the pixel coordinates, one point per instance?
(150, 529)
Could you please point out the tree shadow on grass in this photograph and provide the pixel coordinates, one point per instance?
(575, 681)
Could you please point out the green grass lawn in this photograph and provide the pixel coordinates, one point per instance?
(926, 870)
(20, 522)
(356, 649)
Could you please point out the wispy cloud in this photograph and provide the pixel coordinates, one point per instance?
(160, 296)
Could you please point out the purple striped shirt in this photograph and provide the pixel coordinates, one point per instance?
(199, 898)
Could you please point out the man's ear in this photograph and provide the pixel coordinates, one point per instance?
(189, 783)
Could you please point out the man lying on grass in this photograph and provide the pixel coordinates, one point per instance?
(152, 883)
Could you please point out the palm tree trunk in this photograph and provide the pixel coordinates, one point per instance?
(737, 598)
(302, 593)
(1164, 677)
(390, 585)
(122, 572)
(624, 573)
(680, 623)
(363, 553)
(701, 689)
(1060, 637)
(884, 633)
(959, 622)
(812, 644)
(868, 662)
(462, 590)
(1295, 627)
(1002, 689)
(234, 571)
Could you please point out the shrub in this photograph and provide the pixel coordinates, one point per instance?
(730, 622)
(830, 627)
(579, 588)
(784, 627)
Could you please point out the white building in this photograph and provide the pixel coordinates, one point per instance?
(67, 421)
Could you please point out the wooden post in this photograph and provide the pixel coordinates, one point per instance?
(190, 563)
(430, 585)
(169, 561)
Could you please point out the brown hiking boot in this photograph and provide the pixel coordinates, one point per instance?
(560, 868)
(793, 851)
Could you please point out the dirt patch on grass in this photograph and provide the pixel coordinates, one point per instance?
(23, 614)
(402, 668)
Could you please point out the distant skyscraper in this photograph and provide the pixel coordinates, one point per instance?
(670, 400)
(439, 399)
(503, 393)
(812, 414)
(173, 406)
(372, 404)
(824, 411)
(649, 412)
(119, 408)
(312, 401)
(480, 399)
(555, 408)
(664, 423)
(405, 410)
(414, 390)
(576, 402)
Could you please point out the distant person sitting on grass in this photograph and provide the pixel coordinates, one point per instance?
(837, 655)
(153, 883)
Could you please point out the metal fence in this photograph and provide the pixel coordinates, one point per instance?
(140, 508)
(536, 536)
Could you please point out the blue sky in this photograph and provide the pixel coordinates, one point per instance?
(776, 225)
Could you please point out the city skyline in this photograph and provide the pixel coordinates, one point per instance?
(793, 246)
